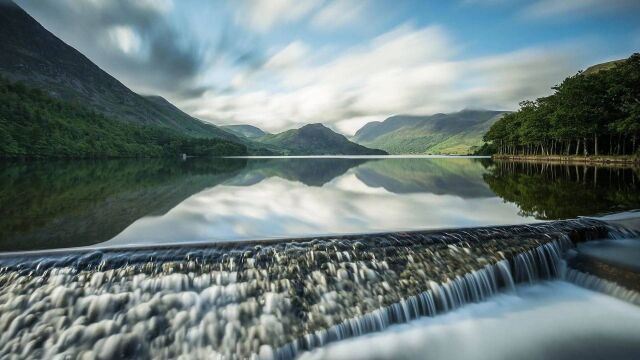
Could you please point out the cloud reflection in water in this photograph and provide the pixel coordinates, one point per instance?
(278, 207)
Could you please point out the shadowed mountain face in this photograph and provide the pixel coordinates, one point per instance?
(66, 204)
(248, 131)
(316, 139)
(456, 133)
(31, 54)
(458, 177)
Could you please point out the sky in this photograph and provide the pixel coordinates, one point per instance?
(280, 64)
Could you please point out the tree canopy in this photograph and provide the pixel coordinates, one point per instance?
(592, 113)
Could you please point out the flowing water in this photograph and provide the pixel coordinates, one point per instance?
(156, 280)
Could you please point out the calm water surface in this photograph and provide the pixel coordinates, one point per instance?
(133, 202)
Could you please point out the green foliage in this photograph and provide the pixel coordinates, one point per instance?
(590, 113)
(550, 192)
(32, 124)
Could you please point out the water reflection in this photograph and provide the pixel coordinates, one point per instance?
(77, 203)
(63, 204)
(555, 191)
(284, 199)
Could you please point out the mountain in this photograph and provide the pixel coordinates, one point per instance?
(316, 139)
(32, 55)
(248, 131)
(33, 124)
(455, 133)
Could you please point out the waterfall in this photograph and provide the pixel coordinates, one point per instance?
(543, 262)
(269, 299)
(601, 285)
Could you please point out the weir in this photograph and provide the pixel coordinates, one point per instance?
(268, 299)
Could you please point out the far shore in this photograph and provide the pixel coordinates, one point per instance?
(572, 159)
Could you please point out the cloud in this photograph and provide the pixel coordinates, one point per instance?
(262, 15)
(553, 8)
(291, 55)
(133, 39)
(125, 39)
(338, 13)
(406, 70)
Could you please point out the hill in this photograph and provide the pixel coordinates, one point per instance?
(456, 133)
(32, 55)
(248, 131)
(33, 124)
(316, 139)
(603, 67)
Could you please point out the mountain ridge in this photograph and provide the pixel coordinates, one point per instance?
(316, 139)
(34, 56)
(248, 131)
(455, 133)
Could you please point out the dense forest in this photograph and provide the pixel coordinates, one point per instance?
(594, 112)
(33, 124)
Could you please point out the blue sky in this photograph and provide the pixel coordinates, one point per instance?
(278, 64)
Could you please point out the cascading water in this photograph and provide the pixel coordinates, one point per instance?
(268, 299)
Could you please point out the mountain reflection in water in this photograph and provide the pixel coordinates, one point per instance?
(124, 202)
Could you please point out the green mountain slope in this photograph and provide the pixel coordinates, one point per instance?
(32, 55)
(316, 139)
(32, 124)
(248, 131)
(456, 133)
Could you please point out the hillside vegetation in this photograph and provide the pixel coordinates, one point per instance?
(590, 113)
(316, 139)
(32, 124)
(456, 133)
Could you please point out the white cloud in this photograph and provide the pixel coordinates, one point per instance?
(262, 15)
(339, 13)
(290, 55)
(125, 39)
(407, 70)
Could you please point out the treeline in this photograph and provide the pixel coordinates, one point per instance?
(33, 124)
(591, 113)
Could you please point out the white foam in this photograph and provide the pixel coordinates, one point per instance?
(548, 320)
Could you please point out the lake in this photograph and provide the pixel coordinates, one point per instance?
(109, 203)
(228, 258)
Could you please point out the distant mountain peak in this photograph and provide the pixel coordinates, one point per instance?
(316, 139)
